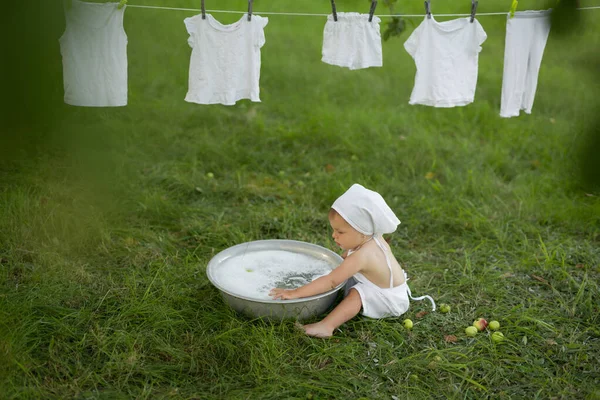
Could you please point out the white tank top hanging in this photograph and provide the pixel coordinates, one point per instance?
(94, 55)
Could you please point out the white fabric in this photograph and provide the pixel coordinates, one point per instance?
(383, 302)
(379, 302)
(94, 55)
(446, 55)
(366, 211)
(225, 60)
(352, 41)
(526, 36)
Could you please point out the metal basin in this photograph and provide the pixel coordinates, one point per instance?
(236, 296)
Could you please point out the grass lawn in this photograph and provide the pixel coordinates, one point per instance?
(108, 217)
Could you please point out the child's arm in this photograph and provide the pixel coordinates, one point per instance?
(345, 270)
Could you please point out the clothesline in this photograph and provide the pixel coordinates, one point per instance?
(325, 15)
(234, 62)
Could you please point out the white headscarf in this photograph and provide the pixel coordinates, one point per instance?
(366, 211)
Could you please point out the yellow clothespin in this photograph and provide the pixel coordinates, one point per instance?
(121, 4)
(513, 7)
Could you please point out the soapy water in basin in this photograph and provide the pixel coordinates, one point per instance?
(254, 274)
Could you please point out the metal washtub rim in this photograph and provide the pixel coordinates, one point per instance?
(211, 266)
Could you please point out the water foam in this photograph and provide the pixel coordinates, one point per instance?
(254, 274)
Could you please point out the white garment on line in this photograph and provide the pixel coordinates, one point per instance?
(352, 41)
(225, 61)
(94, 55)
(526, 36)
(446, 55)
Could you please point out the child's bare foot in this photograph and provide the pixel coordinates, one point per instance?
(316, 330)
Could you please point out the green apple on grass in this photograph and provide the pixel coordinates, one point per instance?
(497, 337)
(408, 324)
(471, 331)
(494, 325)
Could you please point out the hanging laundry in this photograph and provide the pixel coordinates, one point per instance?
(526, 36)
(446, 55)
(94, 55)
(225, 60)
(352, 41)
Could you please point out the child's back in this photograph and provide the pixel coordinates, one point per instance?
(374, 264)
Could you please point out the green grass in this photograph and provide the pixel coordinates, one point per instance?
(108, 219)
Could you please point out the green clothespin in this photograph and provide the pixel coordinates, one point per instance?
(513, 7)
(121, 4)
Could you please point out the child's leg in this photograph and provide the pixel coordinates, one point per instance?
(346, 310)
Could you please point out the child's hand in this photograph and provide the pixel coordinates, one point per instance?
(283, 294)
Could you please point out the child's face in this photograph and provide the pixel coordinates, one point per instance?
(345, 235)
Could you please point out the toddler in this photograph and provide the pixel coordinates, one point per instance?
(376, 283)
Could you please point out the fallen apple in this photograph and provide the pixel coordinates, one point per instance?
(480, 324)
(444, 308)
(471, 331)
(210, 175)
(497, 337)
(494, 325)
(408, 324)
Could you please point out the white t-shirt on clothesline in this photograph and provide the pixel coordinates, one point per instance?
(225, 61)
(446, 55)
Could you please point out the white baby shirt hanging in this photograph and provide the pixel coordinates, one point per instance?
(225, 61)
(526, 36)
(352, 41)
(446, 55)
(94, 55)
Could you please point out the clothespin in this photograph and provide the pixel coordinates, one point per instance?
(513, 7)
(473, 9)
(372, 10)
(333, 10)
(203, 9)
(250, 9)
(122, 4)
(428, 8)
